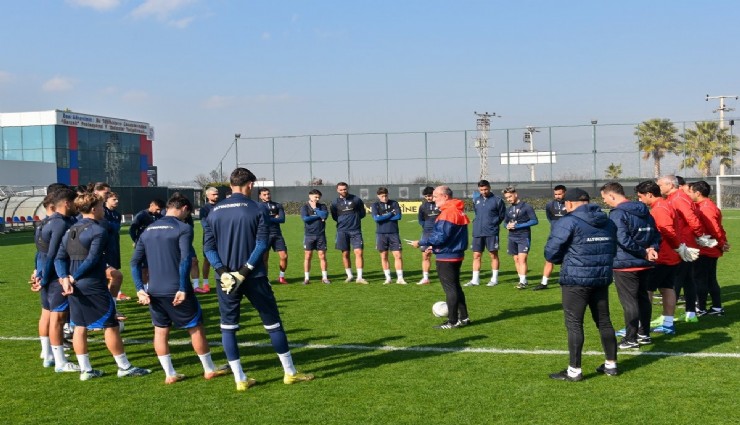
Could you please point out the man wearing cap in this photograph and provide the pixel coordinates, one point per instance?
(584, 243)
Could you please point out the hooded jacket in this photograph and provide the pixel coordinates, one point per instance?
(669, 227)
(636, 231)
(585, 243)
(449, 239)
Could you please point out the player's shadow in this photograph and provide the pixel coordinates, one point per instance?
(664, 346)
(514, 313)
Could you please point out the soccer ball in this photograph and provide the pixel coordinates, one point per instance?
(439, 309)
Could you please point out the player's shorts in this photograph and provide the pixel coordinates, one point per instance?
(387, 242)
(259, 293)
(96, 310)
(485, 243)
(277, 243)
(52, 298)
(345, 240)
(518, 245)
(314, 243)
(661, 276)
(184, 316)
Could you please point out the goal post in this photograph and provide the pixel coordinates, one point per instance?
(727, 191)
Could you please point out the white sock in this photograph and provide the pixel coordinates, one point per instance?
(207, 362)
(544, 280)
(522, 278)
(122, 361)
(287, 360)
(476, 276)
(610, 364)
(574, 371)
(387, 274)
(306, 275)
(196, 283)
(425, 275)
(166, 362)
(205, 282)
(359, 273)
(494, 275)
(84, 362)
(667, 320)
(349, 273)
(58, 352)
(399, 274)
(690, 314)
(45, 347)
(324, 274)
(282, 274)
(236, 369)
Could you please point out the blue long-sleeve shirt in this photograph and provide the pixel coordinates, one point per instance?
(236, 233)
(51, 234)
(112, 220)
(277, 216)
(88, 273)
(555, 210)
(428, 213)
(140, 222)
(348, 212)
(490, 211)
(166, 247)
(386, 216)
(314, 219)
(523, 215)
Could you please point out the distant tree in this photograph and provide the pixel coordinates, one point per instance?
(705, 143)
(656, 138)
(212, 179)
(613, 171)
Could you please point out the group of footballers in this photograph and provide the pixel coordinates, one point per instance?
(671, 239)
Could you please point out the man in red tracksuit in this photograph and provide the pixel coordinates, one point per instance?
(705, 267)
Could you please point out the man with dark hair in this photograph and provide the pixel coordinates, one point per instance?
(638, 242)
(348, 210)
(662, 276)
(428, 213)
(236, 233)
(705, 267)
(276, 241)
(314, 215)
(691, 230)
(448, 241)
(584, 242)
(144, 218)
(387, 213)
(211, 199)
(489, 213)
(167, 247)
(554, 210)
(520, 218)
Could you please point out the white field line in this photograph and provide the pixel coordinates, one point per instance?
(423, 349)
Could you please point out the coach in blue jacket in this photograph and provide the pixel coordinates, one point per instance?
(584, 243)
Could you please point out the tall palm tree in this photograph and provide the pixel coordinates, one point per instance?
(655, 138)
(706, 142)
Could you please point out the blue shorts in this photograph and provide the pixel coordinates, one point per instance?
(184, 316)
(314, 243)
(487, 243)
(387, 242)
(345, 240)
(93, 311)
(52, 298)
(518, 245)
(277, 243)
(259, 293)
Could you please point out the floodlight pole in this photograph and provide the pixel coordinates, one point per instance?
(593, 137)
(236, 148)
(722, 108)
(529, 138)
(483, 125)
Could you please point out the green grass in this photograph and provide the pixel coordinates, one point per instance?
(366, 384)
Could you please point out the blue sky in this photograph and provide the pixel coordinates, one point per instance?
(200, 71)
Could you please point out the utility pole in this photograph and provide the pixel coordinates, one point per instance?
(483, 125)
(529, 138)
(722, 108)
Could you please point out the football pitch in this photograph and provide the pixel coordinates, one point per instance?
(377, 358)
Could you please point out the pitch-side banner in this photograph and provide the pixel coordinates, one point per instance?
(407, 207)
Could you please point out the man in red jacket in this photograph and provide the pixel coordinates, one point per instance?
(662, 275)
(691, 229)
(705, 268)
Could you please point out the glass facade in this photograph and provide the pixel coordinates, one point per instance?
(31, 143)
(109, 156)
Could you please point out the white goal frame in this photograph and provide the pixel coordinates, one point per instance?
(718, 187)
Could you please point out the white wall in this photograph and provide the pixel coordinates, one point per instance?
(27, 173)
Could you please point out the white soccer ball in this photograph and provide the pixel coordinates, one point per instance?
(439, 309)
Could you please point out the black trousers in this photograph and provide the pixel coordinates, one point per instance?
(632, 289)
(449, 274)
(575, 300)
(705, 276)
(684, 278)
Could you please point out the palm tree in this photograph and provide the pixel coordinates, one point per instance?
(655, 138)
(705, 143)
(613, 171)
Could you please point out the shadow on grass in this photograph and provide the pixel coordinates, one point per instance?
(507, 314)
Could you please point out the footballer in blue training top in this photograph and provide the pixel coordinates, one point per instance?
(348, 210)
(520, 217)
(387, 213)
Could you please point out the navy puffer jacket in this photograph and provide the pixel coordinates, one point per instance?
(585, 243)
(636, 231)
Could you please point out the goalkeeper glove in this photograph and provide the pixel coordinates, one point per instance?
(706, 241)
(693, 254)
